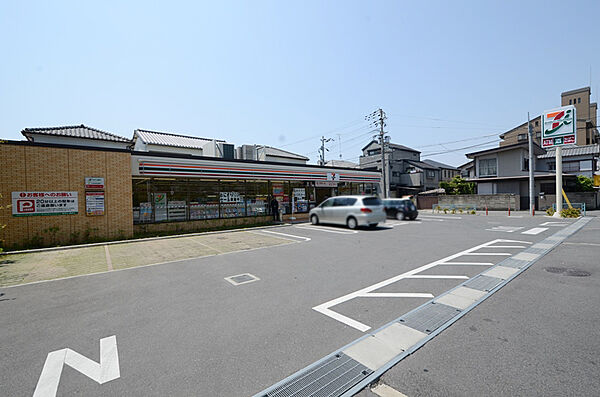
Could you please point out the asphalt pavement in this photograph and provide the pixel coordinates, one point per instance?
(537, 336)
(182, 329)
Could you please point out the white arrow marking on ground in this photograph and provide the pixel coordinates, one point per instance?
(107, 370)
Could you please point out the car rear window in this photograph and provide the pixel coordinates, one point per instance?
(344, 202)
(372, 201)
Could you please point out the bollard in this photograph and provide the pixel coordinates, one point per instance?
(509, 210)
(486, 210)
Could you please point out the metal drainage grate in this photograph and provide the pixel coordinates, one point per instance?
(330, 378)
(538, 251)
(430, 317)
(516, 263)
(241, 279)
(483, 283)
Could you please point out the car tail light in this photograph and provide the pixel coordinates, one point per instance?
(365, 210)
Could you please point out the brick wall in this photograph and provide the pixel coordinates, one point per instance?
(39, 168)
(492, 201)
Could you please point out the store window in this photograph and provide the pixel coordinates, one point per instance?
(232, 198)
(169, 199)
(203, 199)
(142, 201)
(257, 198)
(300, 192)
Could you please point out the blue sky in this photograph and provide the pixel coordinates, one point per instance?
(283, 73)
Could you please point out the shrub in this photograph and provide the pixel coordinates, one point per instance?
(570, 213)
(472, 212)
(584, 184)
(550, 211)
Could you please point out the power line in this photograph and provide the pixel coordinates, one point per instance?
(462, 148)
(348, 125)
(446, 120)
(460, 140)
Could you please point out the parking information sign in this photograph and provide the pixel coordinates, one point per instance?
(559, 127)
(44, 203)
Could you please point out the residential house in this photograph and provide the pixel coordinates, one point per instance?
(505, 169)
(407, 174)
(467, 170)
(447, 172)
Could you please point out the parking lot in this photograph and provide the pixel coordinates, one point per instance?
(236, 324)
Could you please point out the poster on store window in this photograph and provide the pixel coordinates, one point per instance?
(300, 193)
(44, 203)
(277, 189)
(160, 206)
(94, 203)
(176, 210)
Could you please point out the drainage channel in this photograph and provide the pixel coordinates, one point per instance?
(348, 370)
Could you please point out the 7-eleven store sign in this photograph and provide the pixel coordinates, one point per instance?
(559, 127)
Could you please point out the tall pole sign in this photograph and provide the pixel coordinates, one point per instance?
(559, 128)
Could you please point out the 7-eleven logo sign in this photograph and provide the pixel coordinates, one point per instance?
(559, 122)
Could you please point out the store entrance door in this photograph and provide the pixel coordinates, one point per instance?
(323, 193)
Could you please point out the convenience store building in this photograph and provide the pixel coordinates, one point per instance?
(92, 185)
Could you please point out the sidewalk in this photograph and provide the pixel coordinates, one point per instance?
(537, 336)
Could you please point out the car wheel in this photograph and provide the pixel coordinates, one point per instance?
(351, 223)
(314, 220)
(399, 215)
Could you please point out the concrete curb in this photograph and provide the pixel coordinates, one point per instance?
(69, 247)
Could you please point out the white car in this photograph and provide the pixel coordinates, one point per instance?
(352, 211)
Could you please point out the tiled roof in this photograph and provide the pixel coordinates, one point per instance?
(272, 151)
(422, 165)
(169, 139)
(75, 131)
(392, 145)
(439, 165)
(572, 151)
(341, 163)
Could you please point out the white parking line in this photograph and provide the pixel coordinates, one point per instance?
(535, 230)
(554, 223)
(323, 229)
(507, 246)
(440, 217)
(468, 264)
(433, 220)
(507, 229)
(287, 235)
(383, 390)
(396, 295)
(324, 308)
(438, 277)
(490, 253)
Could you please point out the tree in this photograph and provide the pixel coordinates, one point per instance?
(458, 186)
(584, 184)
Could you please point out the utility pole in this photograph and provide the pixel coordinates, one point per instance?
(531, 169)
(323, 149)
(378, 118)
